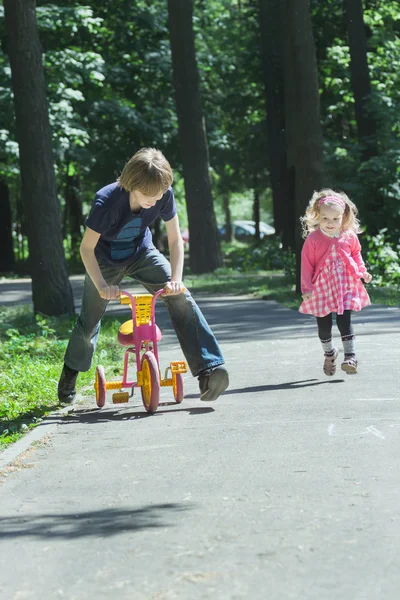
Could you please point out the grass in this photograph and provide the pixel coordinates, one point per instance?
(384, 295)
(32, 348)
(31, 358)
(269, 285)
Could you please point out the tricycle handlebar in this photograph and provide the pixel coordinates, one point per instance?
(127, 298)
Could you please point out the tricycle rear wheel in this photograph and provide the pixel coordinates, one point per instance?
(177, 386)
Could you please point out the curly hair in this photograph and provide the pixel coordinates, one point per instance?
(310, 221)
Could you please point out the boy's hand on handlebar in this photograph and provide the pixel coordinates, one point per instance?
(110, 292)
(172, 288)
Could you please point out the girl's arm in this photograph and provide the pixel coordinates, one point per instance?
(175, 245)
(358, 259)
(307, 267)
(88, 244)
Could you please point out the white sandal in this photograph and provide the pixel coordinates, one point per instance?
(330, 363)
(349, 365)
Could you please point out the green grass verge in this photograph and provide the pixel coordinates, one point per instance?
(31, 358)
(265, 284)
(384, 295)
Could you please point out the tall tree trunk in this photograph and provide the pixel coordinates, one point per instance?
(272, 63)
(156, 233)
(228, 218)
(302, 110)
(6, 242)
(360, 79)
(20, 226)
(205, 254)
(73, 218)
(256, 212)
(51, 290)
(372, 199)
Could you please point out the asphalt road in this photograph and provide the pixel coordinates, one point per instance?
(287, 487)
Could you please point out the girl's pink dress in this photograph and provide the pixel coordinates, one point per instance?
(336, 289)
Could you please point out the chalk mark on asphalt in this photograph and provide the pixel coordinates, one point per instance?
(370, 429)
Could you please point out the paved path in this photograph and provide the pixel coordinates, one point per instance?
(15, 292)
(287, 487)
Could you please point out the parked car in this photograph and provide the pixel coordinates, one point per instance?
(265, 229)
(242, 230)
(246, 230)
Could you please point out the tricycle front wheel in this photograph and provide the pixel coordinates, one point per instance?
(151, 382)
(177, 386)
(100, 387)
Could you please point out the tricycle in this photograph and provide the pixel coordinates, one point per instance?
(140, 335)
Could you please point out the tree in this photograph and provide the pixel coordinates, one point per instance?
(205, 254)
(6, 242)
(226, 35)
(272, 62)
(51, 290)
(360, 79)
(73, 221)
(373, 200)
(302, 112)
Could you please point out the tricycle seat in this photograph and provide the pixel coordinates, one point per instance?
(125, 333)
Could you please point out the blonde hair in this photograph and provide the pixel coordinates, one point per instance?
(148, 171)
(310, 221)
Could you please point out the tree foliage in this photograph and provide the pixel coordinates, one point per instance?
(109, 87)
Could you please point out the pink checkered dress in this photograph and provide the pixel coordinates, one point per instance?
(335, 290)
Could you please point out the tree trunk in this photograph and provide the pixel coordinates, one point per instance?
(51, 290)
(372, 199)
(205, 254)
(256, 212)
(6, 242)
(156, 234)
(228, 219)
(20, 227)
(73, 218)
(272, 63)
(360, 79)
(302, 110)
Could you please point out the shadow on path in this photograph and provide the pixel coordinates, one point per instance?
(290, 385)
(108, 522)
(98, 415)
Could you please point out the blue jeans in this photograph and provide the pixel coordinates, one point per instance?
(152, 270)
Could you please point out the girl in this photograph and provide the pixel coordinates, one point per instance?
(331, 272)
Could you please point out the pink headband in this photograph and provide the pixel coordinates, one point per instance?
(335, 199)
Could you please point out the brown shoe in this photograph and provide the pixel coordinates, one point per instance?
(212, 383)
(66, 385)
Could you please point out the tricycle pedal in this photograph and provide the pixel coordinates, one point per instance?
(178, 366)
(120, 397)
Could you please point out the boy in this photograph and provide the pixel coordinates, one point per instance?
(117, 243)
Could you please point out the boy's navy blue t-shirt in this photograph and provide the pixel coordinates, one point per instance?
(123, 234)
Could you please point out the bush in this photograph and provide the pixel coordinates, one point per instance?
(268, 255)
(382, 257)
